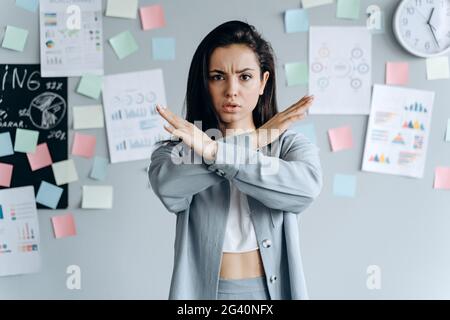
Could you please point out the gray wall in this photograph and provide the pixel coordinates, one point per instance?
(398, 223)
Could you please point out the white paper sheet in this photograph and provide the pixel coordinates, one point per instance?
(66, 52)
(398, 131)
(19, 232)
(340, 69)
(132, 122)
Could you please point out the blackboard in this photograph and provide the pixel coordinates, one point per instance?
(28, 101)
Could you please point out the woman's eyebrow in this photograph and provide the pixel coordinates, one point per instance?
(239, 71)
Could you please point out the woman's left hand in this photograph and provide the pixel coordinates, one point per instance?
(192, 136)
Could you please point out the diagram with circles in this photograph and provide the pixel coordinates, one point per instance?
(340, 67)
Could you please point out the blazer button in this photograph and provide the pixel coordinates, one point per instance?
(267, 243)
(273, 278)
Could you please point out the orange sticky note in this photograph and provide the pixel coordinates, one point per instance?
(340, 138)
(397, 73)
(5, 174)
(84, 145)
(152, 17)
(442, 178)
(64, 226)
(41, 158)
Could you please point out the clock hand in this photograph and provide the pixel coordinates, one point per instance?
(431, 14)
(434, 36)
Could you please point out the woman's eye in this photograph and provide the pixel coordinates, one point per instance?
(246, 77)
(216, 77)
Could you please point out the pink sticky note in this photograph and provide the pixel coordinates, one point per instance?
(41, 158)
(5, 174)
(442, 178)
(84, 145)
(397, 73)
(152, 17)
(341, 138)
(64, 226)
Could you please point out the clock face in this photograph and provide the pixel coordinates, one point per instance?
(423, 26)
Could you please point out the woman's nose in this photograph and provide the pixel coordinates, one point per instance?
(232, 88)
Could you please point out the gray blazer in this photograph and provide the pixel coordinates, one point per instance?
(280, 181)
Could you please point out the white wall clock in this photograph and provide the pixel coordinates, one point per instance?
(423, 26)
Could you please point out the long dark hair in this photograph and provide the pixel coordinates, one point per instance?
(198, 102)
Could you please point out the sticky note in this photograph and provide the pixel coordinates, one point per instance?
(340, 138)
(97, 197)
(348, 9)
(90, 85)
(88, 117)
(296, 73)
(397, 73)
(99, 168)
(308, 130)
(49, 195)
(124, 44)
(15, 38)
(41, 158)
(296, 20)
(64, 226)
(84, 145)
(5, 174)
(437, 68)
(314, 3)
(6, 148)
(344, 185)
(26, 140)
(122, 9)
(163, 48)
(442, 178)
(30, 5)
(152, 17)
(447, 136)
(64, 172)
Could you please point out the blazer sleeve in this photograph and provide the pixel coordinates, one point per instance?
(289, 182)
(176, 174)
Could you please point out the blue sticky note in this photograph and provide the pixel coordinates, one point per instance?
(99, 168)
(30, 5)
(163, 48)
(296, 20)
(308, 130)
(49, 195)
(6, 148)
(344, 185)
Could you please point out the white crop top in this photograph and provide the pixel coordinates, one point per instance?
(239, 233)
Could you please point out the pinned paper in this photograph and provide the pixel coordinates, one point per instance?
(26, 140)
(437, 68)
(84, 145)
(64, 172)
(41, 158)
(296, 73)
(442, 178)
(308, 130)
(397, 73)
(375, 20)
(5, 174)
(344, 185)
(15, 38)
(88, 117)
(163, 48)
(97, 197)
(314, 3)
(152, 17)
(30, 5)
(49, 195)
(348, 9)
(90, 85)
(124, 44)
(447, 136)
(99, 169)
(296, 20)
(6, 148)
(340, 138)
(64, 226)
(122, 9)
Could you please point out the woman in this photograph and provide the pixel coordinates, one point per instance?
(237, 203)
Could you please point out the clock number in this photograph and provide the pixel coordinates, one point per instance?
(410, 10)
(408, 34)
(418, 3)
(404, 21)
(427, 45)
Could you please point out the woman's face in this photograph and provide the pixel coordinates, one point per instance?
(235, 85)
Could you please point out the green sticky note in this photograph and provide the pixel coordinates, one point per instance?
(348, 9)
(90, 85)
(15, 38)
(296, 73)
(26, 140)
(124, 44)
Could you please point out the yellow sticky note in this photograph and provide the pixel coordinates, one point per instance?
(88, 117)
(122, 9)
(437, 68)
(64, 172)
(97, 197)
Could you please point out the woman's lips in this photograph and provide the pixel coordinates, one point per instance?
(230, 108)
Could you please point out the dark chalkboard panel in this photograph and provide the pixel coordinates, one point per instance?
(28, 101)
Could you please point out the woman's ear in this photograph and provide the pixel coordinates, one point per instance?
(266, 76)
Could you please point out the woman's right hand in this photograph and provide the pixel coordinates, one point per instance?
(279, 123)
